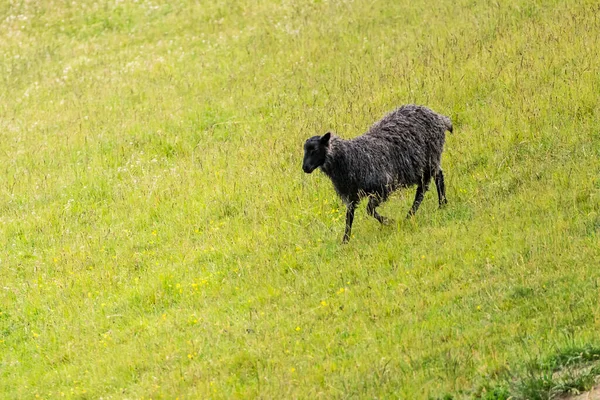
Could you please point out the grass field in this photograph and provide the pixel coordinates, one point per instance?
(158, 238)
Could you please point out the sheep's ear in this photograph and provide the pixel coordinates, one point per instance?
(325, 139)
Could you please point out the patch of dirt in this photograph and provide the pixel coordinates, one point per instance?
(593, 394)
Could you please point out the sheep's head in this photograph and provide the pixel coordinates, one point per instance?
(315, 152)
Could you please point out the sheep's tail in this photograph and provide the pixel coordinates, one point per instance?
(447, 123)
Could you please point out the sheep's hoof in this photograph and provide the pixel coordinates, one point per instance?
(443, 203)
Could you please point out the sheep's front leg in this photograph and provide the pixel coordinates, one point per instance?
(349, 219)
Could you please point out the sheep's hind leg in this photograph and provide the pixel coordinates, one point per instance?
(349, 219)
(371, 206)
(421, 189)
(441, 188)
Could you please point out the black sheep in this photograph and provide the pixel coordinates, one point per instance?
(403, 149)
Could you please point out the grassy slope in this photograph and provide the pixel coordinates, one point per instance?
(158, 237)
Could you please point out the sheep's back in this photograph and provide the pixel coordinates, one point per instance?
(416, 125)
(414, 134)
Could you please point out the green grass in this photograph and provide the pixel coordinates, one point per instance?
(158, 238)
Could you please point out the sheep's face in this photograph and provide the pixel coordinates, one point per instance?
(315, 151)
